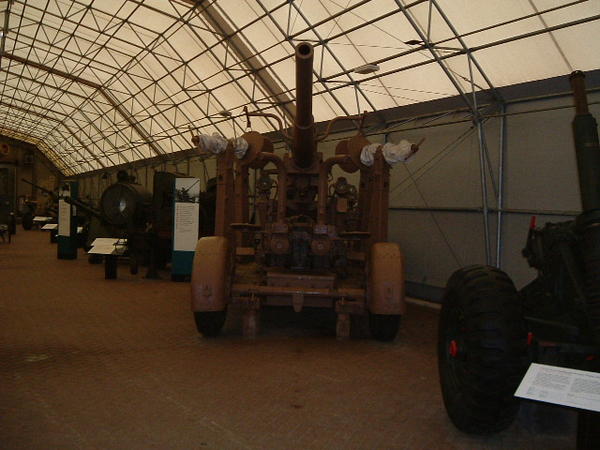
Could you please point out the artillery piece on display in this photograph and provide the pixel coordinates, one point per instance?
(124, 212)
(309, 243)
(128, 210)
(31, 206)
(489, 332)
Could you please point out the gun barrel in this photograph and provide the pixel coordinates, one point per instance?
(43, 189)
(84, 206)
(304, 147)
(577, 80)
(587, 148)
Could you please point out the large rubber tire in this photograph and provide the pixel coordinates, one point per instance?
(210, 284)
(210, 323)
(384, 327)
(482, 349)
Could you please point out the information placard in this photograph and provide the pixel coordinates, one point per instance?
(64, 218)
(561, 386)
(64, 211)
(108, 246)
(187, 210)
(42, 219)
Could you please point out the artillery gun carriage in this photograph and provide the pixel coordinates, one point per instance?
(489, 332)
(308, 242)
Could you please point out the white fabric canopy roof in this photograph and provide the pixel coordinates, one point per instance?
(96, 83)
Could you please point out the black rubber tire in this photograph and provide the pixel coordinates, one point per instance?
(384, 327)
(210, 323)
(482, 314)
(588, 430)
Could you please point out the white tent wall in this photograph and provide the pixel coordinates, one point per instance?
(540, 177)
(435, 197)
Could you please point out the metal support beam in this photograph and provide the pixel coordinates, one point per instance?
(107, 96)
(5, 27)
(477, 210)
(500, 198)
(250, 59)
(439, 60)
(484, 194)
(37, 114)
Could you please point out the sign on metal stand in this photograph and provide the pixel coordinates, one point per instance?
(186, 223)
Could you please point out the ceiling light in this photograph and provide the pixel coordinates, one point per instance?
(367, 68)
(225, 113)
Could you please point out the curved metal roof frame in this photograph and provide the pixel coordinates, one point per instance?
(95, 84)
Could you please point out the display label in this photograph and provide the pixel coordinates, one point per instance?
(561, 386)
(187, 211)
(64, 211)
(42, 219)
(64, 218)
(108, 246)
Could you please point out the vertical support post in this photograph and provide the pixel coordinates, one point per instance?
(363, 198)
(379, 198)
(224, 192)
(482, 167)
(484, 193)
(241, 193)
(500, 198)
(241, 208)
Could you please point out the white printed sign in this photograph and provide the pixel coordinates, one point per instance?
(562, 386)
(108, 246)
(187, 211)
(64, 218)
(64, 211)
(42, 219)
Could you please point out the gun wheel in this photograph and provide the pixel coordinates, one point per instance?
(210, 323)
(384, 327)
(481, 349)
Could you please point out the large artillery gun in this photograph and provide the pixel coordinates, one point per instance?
(50, 209)
(127, 210)
(489, 332)
(124, 212)
(308, 243)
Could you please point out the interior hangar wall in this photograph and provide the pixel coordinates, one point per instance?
(540, 176)
(435, 197)
(92, 186)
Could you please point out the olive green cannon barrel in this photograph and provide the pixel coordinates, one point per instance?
(304, 146)
(585, 133)
(85, 207)
(43, 189)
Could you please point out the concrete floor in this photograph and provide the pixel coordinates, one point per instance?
(89, 363)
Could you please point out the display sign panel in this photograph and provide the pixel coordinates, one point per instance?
(561, 386)
(187, 211)
(64, 211)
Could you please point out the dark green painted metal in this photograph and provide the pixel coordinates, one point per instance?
(585, 134)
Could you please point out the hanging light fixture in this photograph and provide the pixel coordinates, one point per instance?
(366, 69)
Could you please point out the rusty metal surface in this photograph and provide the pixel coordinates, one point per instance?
(301, 238)
(303, 149)
(386, 279)
(209, 285)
